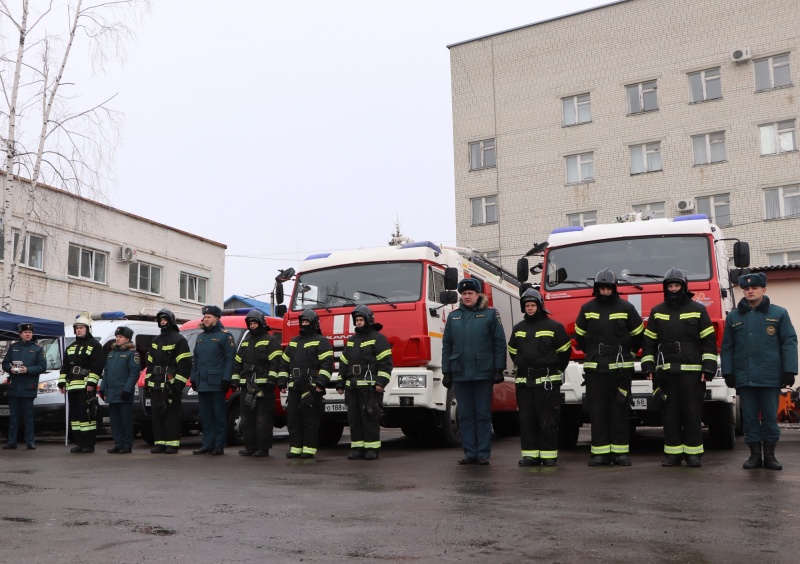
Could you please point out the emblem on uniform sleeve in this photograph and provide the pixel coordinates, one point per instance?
(136, 359)
(770, 330)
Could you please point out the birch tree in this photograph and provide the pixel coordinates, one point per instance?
(47, 139)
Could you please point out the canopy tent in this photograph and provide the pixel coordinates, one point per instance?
(43, 328)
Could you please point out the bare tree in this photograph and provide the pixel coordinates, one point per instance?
(47, 140)
(397, 237)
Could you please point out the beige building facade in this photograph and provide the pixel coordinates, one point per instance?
(668, 107)
(81, 255)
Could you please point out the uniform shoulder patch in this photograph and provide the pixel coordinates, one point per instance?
(136, 359)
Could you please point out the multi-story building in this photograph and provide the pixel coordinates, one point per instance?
(664, 106)
(81, 255)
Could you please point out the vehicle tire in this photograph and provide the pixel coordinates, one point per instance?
(569, 426)
(330, 433)
(147, 432)
(721, 427)
(793, 416)
(738, 420)
(506, 423)
(4, 427)
(415, 430)
(448, 432)
(235, 424)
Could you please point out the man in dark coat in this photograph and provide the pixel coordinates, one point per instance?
(24, 362)
(121, 373)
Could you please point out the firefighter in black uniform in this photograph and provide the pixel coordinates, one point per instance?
(169, 365)
(540, 349)
(255, 373)
(365, 368)
(609, 331)
(84, 361)
(679, 354)
(305, 370)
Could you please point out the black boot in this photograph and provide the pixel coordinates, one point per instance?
(755, 457)
(355, 454)
(770, 462)
(599, 460)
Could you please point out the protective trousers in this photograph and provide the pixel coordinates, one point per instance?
(303, 422)
(365, 429)
(609, 417)
(166, 418)
(683, 414)
(257, 421)
(83, 428)
(539, 413)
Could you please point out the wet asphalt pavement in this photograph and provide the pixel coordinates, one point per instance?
(414, 504)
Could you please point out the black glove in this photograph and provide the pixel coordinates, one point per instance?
(708, 376)
(224, 386)
(498, 376)
(730, 380)
(103, 396)
(234, 388)
(447, 380)
(125, 395)
(269, 389)
(622, 396)
(282, 383)
(307, 400)
(61, 385)
(659, 398)
(787, 379)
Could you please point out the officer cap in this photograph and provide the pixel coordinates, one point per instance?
(212, 310)
(469, 284)
(126, 332)
(757, 279)
(24, 327)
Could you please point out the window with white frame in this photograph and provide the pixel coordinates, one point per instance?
(779, 137)
(709, 148)
(87, 264)
(577, 109)
(482, 154)
(780, 259)
(32, 254)
(645, 157)
(144, 277)
(655, 209)
(772, 72)
(484, 210)
(705, 85)
(193, 288)
(782, 201)
(580, 168)
(717, 208)
(582, 219)
(642, 97)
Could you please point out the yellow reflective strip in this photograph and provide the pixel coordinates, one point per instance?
(580, 331)
(237, 358)
(512, 350)
(311, 344)
(262, 343)
(530, 453)
(693, 450)
(326, 354)
(691, 315)
(590, 365)
(648, 358)
(367, 343)
(662, 316)
(180, 378)
(325, 373)
(648, 333)
(383, 355)
(591, 315)
(167, 347)
(275, 353)
(673, 449)
(706, 332)
(180, 357)
(638, 330)
(709, 356)
(548, 454)
(545, 334)
(566, 347)
(521, 381)
(605, 449)
(520, 334)
(618, 316)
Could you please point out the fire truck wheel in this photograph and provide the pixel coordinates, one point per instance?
(505, 424)
(330, 433)
(414, 430)
(235, 424)
(793, 416)
(721, 427)
(147, 432)
(448, 433)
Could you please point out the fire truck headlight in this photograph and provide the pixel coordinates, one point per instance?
(412, 381)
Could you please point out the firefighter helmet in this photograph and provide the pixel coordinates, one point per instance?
(126, 332)
(365, 312)
(531, 295)
(84, 320)
(674, 275)
(311, 316)
(168, 314)
(255, 316)
(605, 278)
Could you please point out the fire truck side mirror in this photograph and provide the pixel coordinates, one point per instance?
(522, 269)
(280, 311)
(278, 292)
(448, 297)
(450, 279)
(741, 254)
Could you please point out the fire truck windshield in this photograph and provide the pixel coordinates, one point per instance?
(358, 284)
(638, 261)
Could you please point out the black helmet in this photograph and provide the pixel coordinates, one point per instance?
(365, 312)
(531, 295)
(255, 315)
(605, 278)
(311, 316)
(126, 332)
(675, 275)
(168, 314)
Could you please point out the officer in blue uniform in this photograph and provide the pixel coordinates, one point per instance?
(24, 362)
(122, 371)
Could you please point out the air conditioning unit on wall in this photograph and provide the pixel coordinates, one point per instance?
(126, 254)
(741, 54)
(686, 205)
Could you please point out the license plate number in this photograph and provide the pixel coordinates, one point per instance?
(5, 412)
(147, 402)
(335, 407)
(639, 403)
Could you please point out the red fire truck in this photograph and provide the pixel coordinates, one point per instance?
(409, 288)
(639, 252)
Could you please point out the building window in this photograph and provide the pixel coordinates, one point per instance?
(717, 208)
(577, 109)
(772, 72)
(582, 219)
(645, 157)
(780, 259)
(580, 168)
(482, 154)
(32, 254)
(780, 137)
(86, 264)
(484, 210)
(654, 209)
(642, 97)
(783, 201)
(709, 148)
(705, 85)
(193, 288)
(144, 277)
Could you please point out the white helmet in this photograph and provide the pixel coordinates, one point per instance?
(83, 319)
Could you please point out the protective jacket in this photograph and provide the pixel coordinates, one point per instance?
(84, 361)
(474, 343)
(679, 338)
(759, 345)
(308, 359)
(169, 360)
(212, 361)
(366, 360)
(540, 349)
(258, 359)
(122, 371)
(605, 330)
(32, 356)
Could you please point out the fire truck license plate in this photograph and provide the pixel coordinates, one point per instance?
(5, 411)
(147, 402)
(639, 403)
(335, 407)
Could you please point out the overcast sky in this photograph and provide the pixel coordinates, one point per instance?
(286, 128)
